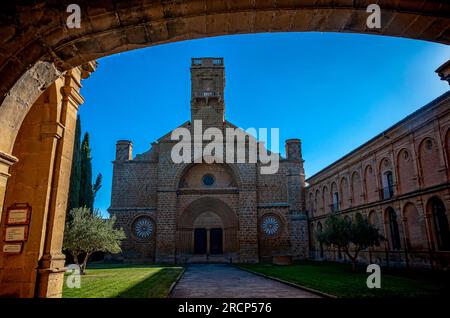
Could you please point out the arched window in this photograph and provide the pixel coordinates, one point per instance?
(318, 202)
(326, 198)
(394, 233)
(311, 203)
(405, 172)
(441, 227)
(319, 230)
(370, 182)
(344, 193)
(415, 227)
(388, 185)
(429, 162)
(334, 198)
(356, 187)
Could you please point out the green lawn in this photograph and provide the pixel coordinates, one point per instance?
(125, 281)
(338, 279)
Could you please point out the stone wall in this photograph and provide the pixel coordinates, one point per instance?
(416, 152)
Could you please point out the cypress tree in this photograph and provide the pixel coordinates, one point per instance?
(86, 174)
(87, 189)
(75, 175)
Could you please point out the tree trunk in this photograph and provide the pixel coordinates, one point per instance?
(83, 266)
(353, 258)
(75, 258)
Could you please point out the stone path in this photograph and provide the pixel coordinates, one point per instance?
(225, 281)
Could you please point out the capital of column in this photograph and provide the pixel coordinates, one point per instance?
(6, 161)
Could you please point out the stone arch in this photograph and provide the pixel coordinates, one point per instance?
(227, 175)
(312, 236)
(110, 28)
(393, 224)
(405, 171)
(429, 161)
(319, 230)
(386, 176)
(375, 220)
(370, 183)
(325, 198)
(348, 219)
(440, 220)
(344, 190)
(318, 202)
(311, 204)
(207, 212)
(335, 200)
(415, 227)
(357, 193)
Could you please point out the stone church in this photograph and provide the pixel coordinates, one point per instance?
(226, 212)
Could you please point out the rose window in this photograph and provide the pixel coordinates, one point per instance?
(270, 225)
(143, 228)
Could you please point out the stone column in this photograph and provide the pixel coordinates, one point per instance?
(41, 178)
(62, 133)
(6, 161)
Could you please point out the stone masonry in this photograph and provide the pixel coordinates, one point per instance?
(208, 211)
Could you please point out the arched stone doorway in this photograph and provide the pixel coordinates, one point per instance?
(208, 226)
(36, 54)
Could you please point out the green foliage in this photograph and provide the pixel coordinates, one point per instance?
(82, 192)
(348, 236)
(86, 193)
(86, 232)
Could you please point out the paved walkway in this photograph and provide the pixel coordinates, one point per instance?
(225, 281)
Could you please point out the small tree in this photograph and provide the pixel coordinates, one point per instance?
(86, 233)
(88, 190)
(345, 235)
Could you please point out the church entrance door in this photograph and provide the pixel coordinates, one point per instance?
(200, 241)
(216, 244)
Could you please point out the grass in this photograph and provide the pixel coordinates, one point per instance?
(338, 279)
(124, 281)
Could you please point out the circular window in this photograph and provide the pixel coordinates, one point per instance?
(143, 228)
(208, 180)
(270, 225)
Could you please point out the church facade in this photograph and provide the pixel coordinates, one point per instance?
(232, 212)
(221, 211)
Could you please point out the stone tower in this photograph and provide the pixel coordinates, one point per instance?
(207, 91)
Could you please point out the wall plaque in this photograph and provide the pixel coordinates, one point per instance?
(18, 214)
(16, 233)
(14, 248)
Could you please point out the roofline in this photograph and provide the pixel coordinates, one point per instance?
(422, 109)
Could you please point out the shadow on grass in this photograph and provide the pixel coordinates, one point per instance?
(155, 286)
(103, 265)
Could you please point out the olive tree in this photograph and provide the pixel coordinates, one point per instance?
(350, 237)
(86, 233)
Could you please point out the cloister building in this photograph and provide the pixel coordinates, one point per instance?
(400, 181)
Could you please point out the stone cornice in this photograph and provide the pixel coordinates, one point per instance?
(7, 159)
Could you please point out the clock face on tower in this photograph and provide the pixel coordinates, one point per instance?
(143, 228)
(270, 225)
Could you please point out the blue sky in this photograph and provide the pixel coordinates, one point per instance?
(333, 91)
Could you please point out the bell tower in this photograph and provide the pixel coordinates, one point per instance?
(207, 91)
